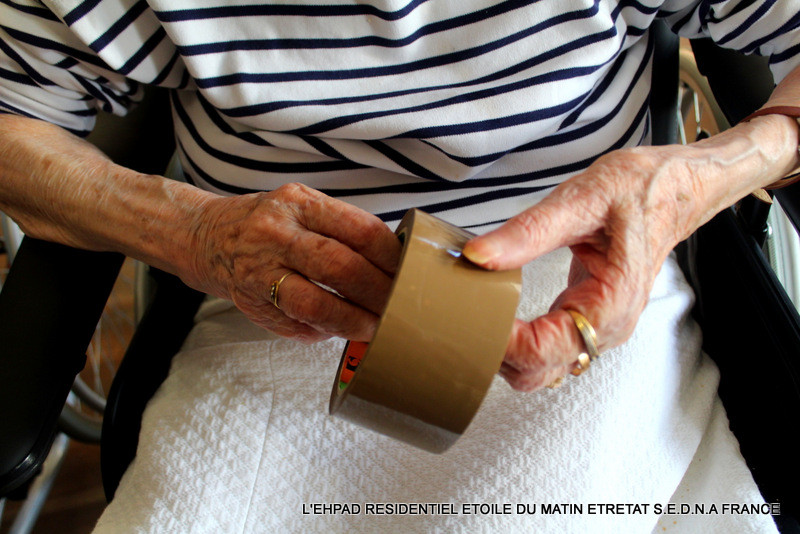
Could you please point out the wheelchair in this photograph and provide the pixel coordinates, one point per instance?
(54, 295)
(81, 417)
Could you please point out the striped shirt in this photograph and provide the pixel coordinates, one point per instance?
(468, 109)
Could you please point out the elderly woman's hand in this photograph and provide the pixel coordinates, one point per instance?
(60, 188)
(620, 218)
(245, 243)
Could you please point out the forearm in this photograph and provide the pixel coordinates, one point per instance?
(60, 188)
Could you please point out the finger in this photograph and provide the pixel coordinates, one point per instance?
(613, 322)
(359, 230)
(287, 327)
(326, 312)
(548, 342)
(541, 350)
(561, 219)
(525, 383)
(577, 270)
(612, 295)
(337, 266)
(267, 316)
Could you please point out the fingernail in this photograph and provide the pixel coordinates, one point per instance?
(481, 257)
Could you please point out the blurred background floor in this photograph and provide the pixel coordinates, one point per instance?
(76, 500)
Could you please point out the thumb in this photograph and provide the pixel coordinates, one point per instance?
(549, 225)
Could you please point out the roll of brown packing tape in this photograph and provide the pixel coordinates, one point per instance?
(439, 343)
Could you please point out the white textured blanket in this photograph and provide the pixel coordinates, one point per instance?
(238, 440)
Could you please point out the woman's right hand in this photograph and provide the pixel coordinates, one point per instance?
(243, 244)
(60, 188)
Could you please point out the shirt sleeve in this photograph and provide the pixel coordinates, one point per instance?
(46, 72)
(768, 28)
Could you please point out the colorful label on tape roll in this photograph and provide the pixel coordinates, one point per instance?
(353, 354)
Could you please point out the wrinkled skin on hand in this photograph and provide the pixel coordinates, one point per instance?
(60, 188)
(620, 218)
(247, 242)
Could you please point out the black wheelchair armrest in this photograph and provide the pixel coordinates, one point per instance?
(752, 330)
(741, 83)
(163, 328)
(50, 304)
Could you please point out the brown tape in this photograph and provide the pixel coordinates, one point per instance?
(438, 345)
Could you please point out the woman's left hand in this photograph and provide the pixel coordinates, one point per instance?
(621, 218)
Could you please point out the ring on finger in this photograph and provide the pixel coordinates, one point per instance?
(583, 364)
(276, 286)
(587, 332)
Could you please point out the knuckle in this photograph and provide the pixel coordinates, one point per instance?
(620, 332)
(263, 314)
(304, 204)
(524, 383)
(533, 340)
(292, 190)
(267, 316)
(249, 305)
(328, 315)
(295, 198)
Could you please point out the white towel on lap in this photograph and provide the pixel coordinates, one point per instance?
(238, 440)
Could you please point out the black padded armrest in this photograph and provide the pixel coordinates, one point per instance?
(752, 330)
(49, 307)
(53, 299)
(741, 83)
(159, 336)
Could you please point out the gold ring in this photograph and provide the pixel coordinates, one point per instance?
(276, 286)
(583, 364)
(587, 333)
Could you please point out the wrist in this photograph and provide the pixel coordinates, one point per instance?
(203, 259)
(789, 112)
(163, 222)
(749, 156)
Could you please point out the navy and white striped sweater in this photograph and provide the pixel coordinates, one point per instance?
(469, 109)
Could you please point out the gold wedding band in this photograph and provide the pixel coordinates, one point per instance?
(276, 286)
(585, 359)
(587, 333)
